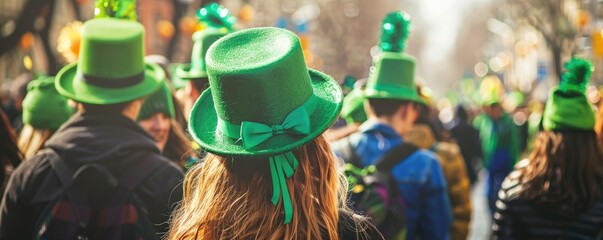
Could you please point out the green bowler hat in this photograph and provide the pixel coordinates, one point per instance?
(568, 107)
(43, 106)
(259, 75)
(202, 41)
(111, 67)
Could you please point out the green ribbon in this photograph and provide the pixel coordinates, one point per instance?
(282, 166)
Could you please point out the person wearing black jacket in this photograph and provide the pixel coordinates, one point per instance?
(102, 134)
(556, 192)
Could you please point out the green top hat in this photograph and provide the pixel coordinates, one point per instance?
(393, 73)
(568, 107)
(43, 106)
(202, 41)
(158, 102)
(263, 102)
(110, 68)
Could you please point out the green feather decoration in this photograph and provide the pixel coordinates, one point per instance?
(395, 31)
(216, 16)
(577, 75)
(125, 9)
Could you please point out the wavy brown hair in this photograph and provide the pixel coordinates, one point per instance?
(229, 198)
(564, 167)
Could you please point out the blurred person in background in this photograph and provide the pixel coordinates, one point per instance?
(10, 155)
(556, 192)
(44, 111)
(157, 117)
(423, 134)
(352, 113)
(262, 120)
(468, 141)
(18, 90)
(500, 145)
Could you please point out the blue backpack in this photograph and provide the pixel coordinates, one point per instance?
(374, 191)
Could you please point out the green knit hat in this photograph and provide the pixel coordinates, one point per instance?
(393, 73)
(43, 106)
(111, 67)
(158, 102)
(568, 107)
(263, 102)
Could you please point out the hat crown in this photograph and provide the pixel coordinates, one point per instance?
(202, 41)
(393, 76)
(111, 48)
(258, 75)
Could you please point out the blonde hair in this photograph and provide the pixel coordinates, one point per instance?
(31, 140)
(229, 198)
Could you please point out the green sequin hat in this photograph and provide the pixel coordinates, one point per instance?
(568, 107)
(263, 101)
(111, 67)
(393, 73)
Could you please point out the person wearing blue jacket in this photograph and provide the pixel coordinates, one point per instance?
(391, 106)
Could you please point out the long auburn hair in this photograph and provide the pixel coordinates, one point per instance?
(568, 160)
(228, 198)
(178, 147)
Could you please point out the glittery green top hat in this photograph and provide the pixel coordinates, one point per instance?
(263, 102)
(393, 73)
(568, 107)
(43, 106)
(111, 67)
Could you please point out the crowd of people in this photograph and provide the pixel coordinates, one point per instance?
(256, 145)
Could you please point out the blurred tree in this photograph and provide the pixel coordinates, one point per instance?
(554, 23)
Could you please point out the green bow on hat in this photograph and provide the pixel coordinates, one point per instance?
(393, 73)
(43, 106)
(111, 67)
(568, 107)
(263, 102)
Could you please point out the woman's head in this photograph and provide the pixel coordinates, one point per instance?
(158, 125)
(262, 118)
(156, 115)
(228, 198)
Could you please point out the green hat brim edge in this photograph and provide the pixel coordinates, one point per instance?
(203, 122)
(371, 93)
(185, 72)
(153, 75)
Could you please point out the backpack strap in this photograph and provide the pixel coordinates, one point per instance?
(349, 154)
(144, 166)
(395, 156)
(62, 169)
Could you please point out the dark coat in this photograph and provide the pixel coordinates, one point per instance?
(111, 141)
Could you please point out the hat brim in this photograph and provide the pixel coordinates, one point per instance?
(203, 122)
(78, 90)
(185, 72)
(371, 93)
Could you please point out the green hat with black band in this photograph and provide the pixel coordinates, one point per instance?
(568, 107)
(43, 106)
(393, 73)
(263, 102)
(111, 67)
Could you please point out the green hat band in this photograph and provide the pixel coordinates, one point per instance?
(568, 110)
(282, 166)
(391, 90)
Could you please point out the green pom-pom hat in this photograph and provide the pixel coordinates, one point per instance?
(43, 106)
(393, 73)
(111, 67)
(568, 107)
(263, 102)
